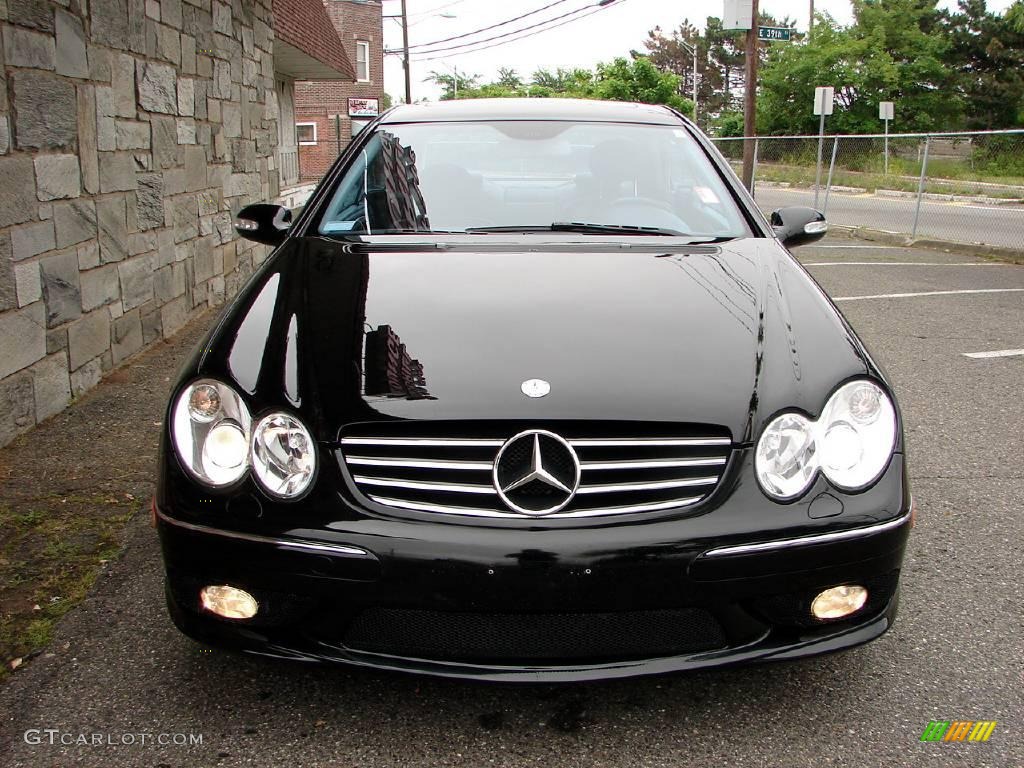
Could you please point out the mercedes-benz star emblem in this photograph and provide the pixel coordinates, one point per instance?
(535, 387)
(536, 472)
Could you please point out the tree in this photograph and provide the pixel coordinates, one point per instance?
(729, 124)
(987, 54)
(618, 80)
(893, 51)
(1015, 16)
(509, 78)
(721, 58)
(639, 80)
(563, 81)
(452, 83)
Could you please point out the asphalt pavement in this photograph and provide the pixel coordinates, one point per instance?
(118, 667)
(961, 222)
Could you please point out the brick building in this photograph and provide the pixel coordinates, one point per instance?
(325, 117)
(130, 132)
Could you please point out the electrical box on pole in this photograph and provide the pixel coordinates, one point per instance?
(738, 14)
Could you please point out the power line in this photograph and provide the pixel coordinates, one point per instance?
(518, 35)
(515, 31)
(487, 29)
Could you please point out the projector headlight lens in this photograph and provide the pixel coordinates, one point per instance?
(283, 455)
(851, 443)
(210, 429)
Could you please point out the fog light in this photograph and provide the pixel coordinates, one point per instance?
(837, 602)
(229, 602)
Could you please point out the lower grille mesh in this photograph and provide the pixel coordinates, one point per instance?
(505, 637)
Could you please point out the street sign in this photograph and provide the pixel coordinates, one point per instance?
(737, 14)
(823, 98)
(885, 113)
(774, 33)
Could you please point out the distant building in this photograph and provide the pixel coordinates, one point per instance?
(329, 112)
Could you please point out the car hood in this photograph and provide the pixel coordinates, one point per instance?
(642, 331)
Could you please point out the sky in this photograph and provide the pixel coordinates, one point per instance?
(602, 36)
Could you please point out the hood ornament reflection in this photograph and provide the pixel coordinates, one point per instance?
(535, 387)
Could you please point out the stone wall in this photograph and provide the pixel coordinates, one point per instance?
(130, 130)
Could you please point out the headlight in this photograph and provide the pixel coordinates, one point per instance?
(786, 460)
(211, 432)
(858, 434)
(283, 455)
(851, 442)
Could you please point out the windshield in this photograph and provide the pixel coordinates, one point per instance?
(458, 177)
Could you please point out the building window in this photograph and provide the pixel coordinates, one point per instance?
(362, 61)
(305, 133)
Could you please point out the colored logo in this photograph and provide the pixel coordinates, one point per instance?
(958, 730)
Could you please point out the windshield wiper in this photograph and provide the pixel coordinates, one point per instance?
(586, 227)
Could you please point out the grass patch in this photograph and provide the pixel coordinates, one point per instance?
(52, 548)
(804, 176)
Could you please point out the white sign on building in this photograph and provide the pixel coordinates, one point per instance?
(363, 107)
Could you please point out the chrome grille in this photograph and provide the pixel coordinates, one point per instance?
(453, 475)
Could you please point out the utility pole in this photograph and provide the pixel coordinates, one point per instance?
(810, 24)
(692, 48)
(750, 100)
(405, 55)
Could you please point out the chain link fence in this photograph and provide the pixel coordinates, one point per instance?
(957, 187)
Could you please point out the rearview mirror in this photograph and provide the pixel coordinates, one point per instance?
(798, 225)
(263, 223)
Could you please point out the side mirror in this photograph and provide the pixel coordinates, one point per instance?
(798, 225)
(264, 223)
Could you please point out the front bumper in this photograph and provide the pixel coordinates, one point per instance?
(315, 589)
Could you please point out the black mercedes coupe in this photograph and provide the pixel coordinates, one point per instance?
(530, 390)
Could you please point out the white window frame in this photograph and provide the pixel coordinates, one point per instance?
(363, 45)
(305, 143)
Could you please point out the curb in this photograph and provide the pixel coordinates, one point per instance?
(899, 240)
(946, 198)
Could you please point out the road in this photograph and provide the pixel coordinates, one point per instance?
(117, 665)
(1001, 225)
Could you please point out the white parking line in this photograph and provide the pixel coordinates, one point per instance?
(862, 247)
(997, 353)
(926, 293)
(904, 264)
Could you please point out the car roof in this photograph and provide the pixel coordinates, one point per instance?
(584, 110)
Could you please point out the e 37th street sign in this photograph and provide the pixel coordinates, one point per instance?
(774, 33)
